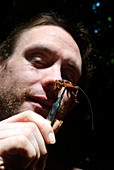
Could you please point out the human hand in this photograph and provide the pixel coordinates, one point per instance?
(23, 140)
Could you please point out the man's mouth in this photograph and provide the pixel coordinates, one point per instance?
(40, 103)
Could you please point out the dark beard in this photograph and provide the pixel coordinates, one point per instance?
(11, 99)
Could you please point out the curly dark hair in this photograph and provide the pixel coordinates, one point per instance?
(78, 32)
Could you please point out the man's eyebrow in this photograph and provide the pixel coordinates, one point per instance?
(40, 48)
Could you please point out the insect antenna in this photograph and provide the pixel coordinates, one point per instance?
(91, 110)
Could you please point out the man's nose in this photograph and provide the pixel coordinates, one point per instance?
(51, 74)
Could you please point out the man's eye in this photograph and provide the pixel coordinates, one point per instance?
(36, 60)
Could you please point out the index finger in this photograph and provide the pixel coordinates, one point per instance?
(43, 124)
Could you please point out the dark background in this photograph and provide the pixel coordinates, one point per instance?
(77, 145)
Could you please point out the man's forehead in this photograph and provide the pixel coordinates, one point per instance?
(49, 32)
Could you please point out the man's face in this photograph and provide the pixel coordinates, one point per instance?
(42, 55)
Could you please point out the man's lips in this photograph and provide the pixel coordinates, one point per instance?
(41, 102)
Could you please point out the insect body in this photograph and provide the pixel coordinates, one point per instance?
(63, 83)
(69, 86)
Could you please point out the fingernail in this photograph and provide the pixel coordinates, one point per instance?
(51, 137)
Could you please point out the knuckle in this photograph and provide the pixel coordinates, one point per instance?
(46, 124)
(22, 141)
(30, 128)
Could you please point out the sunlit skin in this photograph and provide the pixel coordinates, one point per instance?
(42, 55)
